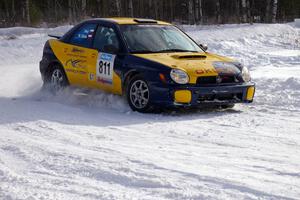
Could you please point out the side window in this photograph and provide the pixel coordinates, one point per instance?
(106, 40)
(84, 35)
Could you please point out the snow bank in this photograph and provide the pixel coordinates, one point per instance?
(297, 23)
(19, 45)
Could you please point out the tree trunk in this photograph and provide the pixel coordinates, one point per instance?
(274, 11)
(6, 7)
(70, 10)
(268, 8)
(244, 11)
(171, 10)
(118, 7)
(200, 11)
(130, 8)
(249, 16)
(27, 12)
(196, 10)
(156, 11)
(74, 10)
(218, 12)
(238, 12)
(191, 12)
(13, 10)
(55, 10)
(141, 8)
(83, 8)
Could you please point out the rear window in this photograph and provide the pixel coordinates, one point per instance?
(84, 35)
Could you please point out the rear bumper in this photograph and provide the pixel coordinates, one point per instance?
(202, 96)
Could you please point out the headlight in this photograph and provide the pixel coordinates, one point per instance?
(245, 74)
(179, 76)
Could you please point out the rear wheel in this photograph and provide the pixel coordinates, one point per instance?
(56, 79)
(138, 95)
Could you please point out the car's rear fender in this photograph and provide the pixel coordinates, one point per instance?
(48, 60)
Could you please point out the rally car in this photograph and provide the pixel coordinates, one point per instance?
(153, 63)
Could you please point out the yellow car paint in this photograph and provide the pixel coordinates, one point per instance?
(195, 64)
(127, 20)
(80, 64)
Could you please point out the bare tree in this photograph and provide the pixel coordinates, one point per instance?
(118, 7)
(218, 11)
(83, 8)
(130, 8)
(249, 17)
(70, 10)
(238, 12)
(274, 11)
(27, 11)
(13, 10)
(191, 12)
(268, 9)
(196, 10)
(171, 10)
(200, 11)
(244, 11)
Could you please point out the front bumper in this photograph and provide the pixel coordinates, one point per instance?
(190, 95)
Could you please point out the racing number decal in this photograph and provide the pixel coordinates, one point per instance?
(105, 68)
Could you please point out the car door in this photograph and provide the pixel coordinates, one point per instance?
(78, 54)
(103, 74)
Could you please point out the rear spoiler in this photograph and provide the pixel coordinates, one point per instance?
(55, 36)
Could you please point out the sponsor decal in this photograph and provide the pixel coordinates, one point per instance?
(76, 71)
(76, 56)
(77, 50)
(91, 76)
(205, 71)
(79, 64)
(104, 81)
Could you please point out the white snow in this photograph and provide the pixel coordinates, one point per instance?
(89, 145)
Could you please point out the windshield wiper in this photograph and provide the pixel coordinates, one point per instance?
(174, 50)
(142, 51)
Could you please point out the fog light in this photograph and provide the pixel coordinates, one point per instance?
(183, 96)
(250, 93)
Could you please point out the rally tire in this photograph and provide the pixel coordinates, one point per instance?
(138, 95)
(56, 79)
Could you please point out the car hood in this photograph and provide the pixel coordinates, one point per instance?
(195, 64)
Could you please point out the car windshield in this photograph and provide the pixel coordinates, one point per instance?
(157, 39)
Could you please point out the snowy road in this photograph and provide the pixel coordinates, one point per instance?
(79, 146)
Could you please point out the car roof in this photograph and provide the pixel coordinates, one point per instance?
(128, 20)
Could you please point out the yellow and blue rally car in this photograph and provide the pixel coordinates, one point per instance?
(152, 62)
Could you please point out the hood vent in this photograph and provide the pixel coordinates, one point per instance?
(189, 56)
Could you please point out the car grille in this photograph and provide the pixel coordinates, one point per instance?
(213, 80)
(220, 97)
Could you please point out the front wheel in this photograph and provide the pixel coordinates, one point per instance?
(138, 95)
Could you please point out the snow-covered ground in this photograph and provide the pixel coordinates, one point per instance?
(91, 146)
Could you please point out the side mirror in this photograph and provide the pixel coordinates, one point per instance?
(111, 49)
(204, 47)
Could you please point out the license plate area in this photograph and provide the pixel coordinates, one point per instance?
(220, 97)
